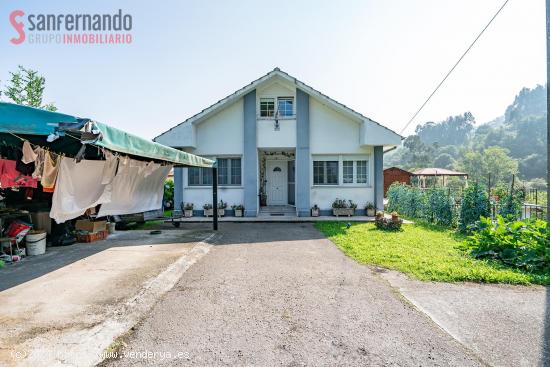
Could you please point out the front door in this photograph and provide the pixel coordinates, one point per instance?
(276, 185)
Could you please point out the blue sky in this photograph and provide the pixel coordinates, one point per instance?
(380, 57)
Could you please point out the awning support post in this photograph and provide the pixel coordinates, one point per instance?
(215, 196)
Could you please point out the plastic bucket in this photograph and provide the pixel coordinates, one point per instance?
(36, 243)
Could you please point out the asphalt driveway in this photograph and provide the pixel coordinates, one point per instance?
(281, 294)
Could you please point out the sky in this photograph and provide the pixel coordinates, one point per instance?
(380, 57)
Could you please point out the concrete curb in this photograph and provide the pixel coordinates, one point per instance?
(86, 347)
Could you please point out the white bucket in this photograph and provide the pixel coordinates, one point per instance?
(36, 243)
(111, 227)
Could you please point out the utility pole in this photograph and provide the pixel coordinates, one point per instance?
(547, 113)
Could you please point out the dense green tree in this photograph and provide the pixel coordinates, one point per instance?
(26, 87)
(493, 161)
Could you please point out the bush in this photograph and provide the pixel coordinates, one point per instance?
(475, 204)
(432, 205)
(1, 264)
(520, 244)
(512, 204)
(388, 224)
(440, 207)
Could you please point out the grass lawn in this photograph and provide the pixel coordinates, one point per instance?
(422, 251)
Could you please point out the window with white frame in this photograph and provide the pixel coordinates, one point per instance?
(229, 173)
(325, 172)
(347, 167)
(267, 107)
(285, 106)
(355, 172)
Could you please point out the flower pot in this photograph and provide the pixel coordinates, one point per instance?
(315, 212)
(208, 212)
(343, 211)
(395, 218)
(188, 213)
(238, 212)
(371, 212)
(221, 212)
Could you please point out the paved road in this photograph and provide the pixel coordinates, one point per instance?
(280, 294)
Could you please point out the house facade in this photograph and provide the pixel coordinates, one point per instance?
(279, 143)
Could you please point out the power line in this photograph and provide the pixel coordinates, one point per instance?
(454, 67)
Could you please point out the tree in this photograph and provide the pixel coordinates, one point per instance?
(493, 161)
(26, 87)
(443, 160)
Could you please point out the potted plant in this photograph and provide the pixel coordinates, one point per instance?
(188, 210)
(208, 211)
(370, 209)
(343, 207)
(315, 211)
(379, 214)
(395, 216)
(239, 210)
(222, 205)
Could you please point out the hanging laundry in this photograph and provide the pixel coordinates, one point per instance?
(39, 163)
(49, 173)
(137, 187)
(111, 164)
(78, 187)
(25, 168)
(29, 155)
(11, 177)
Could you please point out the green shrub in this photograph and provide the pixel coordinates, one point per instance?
(512, 204)
(520, 244)
(474, 205)
(432, 205)
(1, 264)
(440, 207)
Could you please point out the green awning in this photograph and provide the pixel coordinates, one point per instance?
(19, 119)
(35, 124)
(123, 142)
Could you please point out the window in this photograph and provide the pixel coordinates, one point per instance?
(199, 176)
(267, 107)
(229, 173)
(325, 172)
(285, 106)
(362, 172)
(348, 171)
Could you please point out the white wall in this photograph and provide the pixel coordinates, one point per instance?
(268, 137)
(331, 132)
(324, 196)
(221, 134)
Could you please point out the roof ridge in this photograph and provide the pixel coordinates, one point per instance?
(296, 81)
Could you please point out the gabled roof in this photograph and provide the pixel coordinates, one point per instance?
(438, 172)
(398, 169)
(275, 73)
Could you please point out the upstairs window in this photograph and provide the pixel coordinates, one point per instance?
(285, 106)
(267, 107)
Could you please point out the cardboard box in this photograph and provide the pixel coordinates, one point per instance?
(89, 226)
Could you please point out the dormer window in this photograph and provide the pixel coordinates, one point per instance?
(267, 107)
(285, 106)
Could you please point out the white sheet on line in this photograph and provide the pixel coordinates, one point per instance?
(137, 187)
(78, 187)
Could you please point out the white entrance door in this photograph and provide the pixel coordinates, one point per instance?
(276, 185)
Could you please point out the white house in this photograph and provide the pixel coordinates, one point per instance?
(282, 145)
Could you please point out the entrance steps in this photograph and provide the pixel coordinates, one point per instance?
(277, 211)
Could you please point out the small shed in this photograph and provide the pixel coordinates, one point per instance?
(395, 174)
